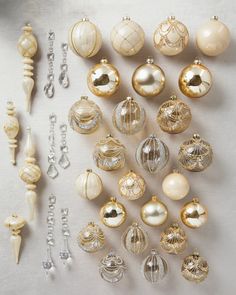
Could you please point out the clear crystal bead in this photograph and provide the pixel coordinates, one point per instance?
(49, 90)
(50, 56)
(51, 35)
(65, 211)
(64, 46)
(64, 79)
(64, 161)
(65, 254)
(52, 171)
(64, 67)
(52, 199)
(51, 158)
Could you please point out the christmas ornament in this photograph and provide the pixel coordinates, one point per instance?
(171, 37)
(175, 186)
(213, 37)
(173, 239)
(84, 116)
(127, 37)
(109, 154)
(195, 268)
(152, 154)
(49, 88)
(174, 116)
(89, 185)
(112, 268)
(154, 267)
(11, 128)
(195, 154)
(85, 38)
(193, 214)
(148, 80)
(15, 224)
(113, 213)
(63, 77)
(128, 116)
(103, 79)
(132, 186)
(65, 253)
(154, 212)
(195, 80)
(27, 47)
(91, 238)
(135, 239)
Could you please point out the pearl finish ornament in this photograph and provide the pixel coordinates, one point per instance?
(103, 79)
(193, 214)
(152, 154)
(175, 186)
(213, 37)
(195, 80)
(148, 80)
(113, 213)
(154, 212)
(171, 37)
(85, 38)
(127, 37)
(128, 116)
(174, 116)
(89, 185)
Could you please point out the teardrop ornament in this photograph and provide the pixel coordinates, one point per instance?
(52, 171)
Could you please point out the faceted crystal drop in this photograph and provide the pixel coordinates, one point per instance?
(52, 171)
(64, 161)
(49, 90)
(64, 79)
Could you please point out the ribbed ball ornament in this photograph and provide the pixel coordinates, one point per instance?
(30, 173)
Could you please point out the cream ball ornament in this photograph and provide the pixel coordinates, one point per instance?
(127, 37)
(213, 37)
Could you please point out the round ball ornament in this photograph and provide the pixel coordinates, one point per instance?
(132, 186)
(175, 186)
(85, 38)
(154, 212)
(103, 79)
(84, 116)
(89, 185)
(195, 80)
(194, 214)
(128, 116)
(127, 37)
(174, 116)
(213, 37)
(195, 154)
(152, 154)
(171, 37)
(113, 213)
(195, 268)
(148, 80)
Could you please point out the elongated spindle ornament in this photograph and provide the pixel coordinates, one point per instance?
(15, 224)
(30, 173)
(11, 128)
(27, 47)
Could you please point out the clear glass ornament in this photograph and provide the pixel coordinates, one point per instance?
(112, 268)
(195, 268)
(128, 116)
(135, 239)
(195, 154)
(84, 116)
(152, 154)
(174, 116)
(132, 186)
(154, 267)
(91, 238)
(109, 154)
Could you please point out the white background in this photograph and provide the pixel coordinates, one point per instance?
(213, 117)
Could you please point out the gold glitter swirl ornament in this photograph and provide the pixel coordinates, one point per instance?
(103, 79)
(195, 268)
(174, 116)
(171, 37)
(195, 154)
(109, 154)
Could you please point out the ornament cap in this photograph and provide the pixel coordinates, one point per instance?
(126, 17)
(91, 223)
(197, 61)
(175, 170)
(150, 60)
(113, 199)
(84, 97)
(85, 19)
(173, 97)
(89, 170)
(104, 60)
(154, 252)
(171, 17)
(154, 198)
(109, 135)
(135, 223)
(215, 17)
(196, 136)
(195, 200)
(129, 98)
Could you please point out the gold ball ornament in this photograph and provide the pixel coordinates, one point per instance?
(30, 173)
(127, 37)
(195, 268)
(195, 80)
(213, 37)
(195, 154)
(171, 37)
(174, 116)
(193, 214)
(85, 38)
(148, 80)
(154, 212)
(103, 79)
(113, 213)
